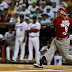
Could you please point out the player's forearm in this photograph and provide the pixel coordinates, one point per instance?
(34, 30)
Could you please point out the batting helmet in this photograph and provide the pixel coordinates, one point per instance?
(63, 11)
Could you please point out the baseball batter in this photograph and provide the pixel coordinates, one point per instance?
(10, 43)
(33, 41)
(61, 41)
(20, 28)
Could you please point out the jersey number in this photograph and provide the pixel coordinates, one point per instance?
(65, 23)
(21, 29)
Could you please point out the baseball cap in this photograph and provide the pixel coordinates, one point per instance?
(48, 7)
(10, 26)
(16, 12)
(26, 18)
(23, 5)
(45, 14)
(34, 1)
(22, 15)
(43, 2)
(63, 11)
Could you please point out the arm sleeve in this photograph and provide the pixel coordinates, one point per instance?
(54, 21)
(39, 26)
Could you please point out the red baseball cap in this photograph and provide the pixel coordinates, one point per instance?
(63, 11)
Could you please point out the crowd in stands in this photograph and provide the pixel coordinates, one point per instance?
(44, 10)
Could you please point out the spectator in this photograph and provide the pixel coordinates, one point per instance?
(24, 11)
(27, 20)
(30, 1)
(43, 6)
(49, 12)
(3, 5)
(39, 19)
(25, 2)
(33, 7)
(62, 4)
(14, 19)
(48, 2)
(12, 10)
(45, 19)
(54, 8)
(38, 13)
(13, 2)
(6, 17)
(17, 6)
(8, 1)
(57, 1)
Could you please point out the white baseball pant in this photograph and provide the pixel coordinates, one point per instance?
(33, 41)
(18, 43)
(8, 49)
(62, 46)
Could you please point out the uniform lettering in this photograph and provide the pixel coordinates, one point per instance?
(65, 23)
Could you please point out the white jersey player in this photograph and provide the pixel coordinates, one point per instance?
(10, 43)
(20, 28)
(33, 29)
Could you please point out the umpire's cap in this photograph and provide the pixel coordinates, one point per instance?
(21, 15)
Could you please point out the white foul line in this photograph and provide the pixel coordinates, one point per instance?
(31, 70)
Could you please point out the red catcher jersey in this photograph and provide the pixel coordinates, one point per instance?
(61, 26)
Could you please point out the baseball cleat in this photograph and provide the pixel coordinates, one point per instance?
(41, 66)
(20, 60)
(36, 65)
(13, 61)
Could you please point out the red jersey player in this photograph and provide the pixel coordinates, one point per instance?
(61, 41)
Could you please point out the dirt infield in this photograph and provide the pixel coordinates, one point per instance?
(31, 68)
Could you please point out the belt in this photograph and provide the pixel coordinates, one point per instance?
(33, 36)
(61, 38)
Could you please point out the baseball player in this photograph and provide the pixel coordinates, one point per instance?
(61, 41)
(33, 41)
(20, 32)
(43, 50)
(10, 43)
